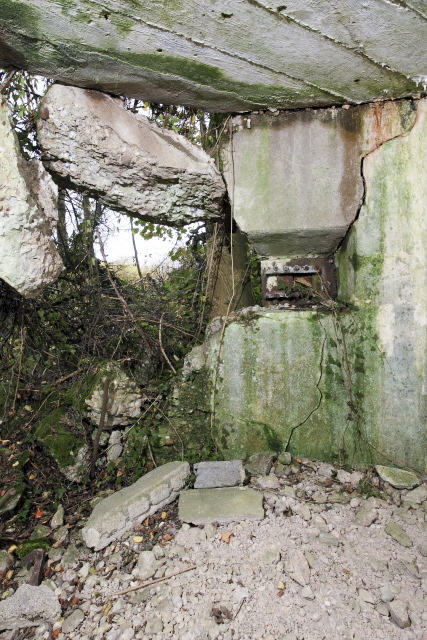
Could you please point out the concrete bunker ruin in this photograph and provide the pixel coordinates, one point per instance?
(325, 170)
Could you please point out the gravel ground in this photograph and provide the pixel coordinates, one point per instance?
(326, 562)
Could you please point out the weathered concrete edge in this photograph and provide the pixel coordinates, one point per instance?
(154, 490)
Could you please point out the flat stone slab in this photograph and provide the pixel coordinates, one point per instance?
(115, 515)
(202, 506)
(211, 475)
(29, 606)
(398, 478)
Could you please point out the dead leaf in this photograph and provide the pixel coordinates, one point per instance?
(304, 281)
(106, 608)
(39, 513)
(9, 575)
(12, 548)
(226, 536)
(74, 601)
(164, 515)
(137, 539)
(145, 522)
(167, 537)
(280, 593)
(55, 632)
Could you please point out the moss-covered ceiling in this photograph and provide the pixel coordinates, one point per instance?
(224, 55)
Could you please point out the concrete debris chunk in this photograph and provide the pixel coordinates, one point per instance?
(212, 475)
(297, 567)
(416, 496)
(399, 614)
(93, 143)
(115, 515)
(398, 478)
(29, 607)
(28, 215)
(399, 534)
(201, 506)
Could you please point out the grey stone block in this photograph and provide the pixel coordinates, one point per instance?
(211, 475)
(115, 515)
(202, 506)
(29, 607)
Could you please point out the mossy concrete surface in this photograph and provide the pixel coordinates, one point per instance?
(221, 56)
(348, 384)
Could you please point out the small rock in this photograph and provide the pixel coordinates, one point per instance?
(154, 625)
(71, 623)
(297, 567)
(365, 516)
(399, 534)
(210, 530)
(284, 458)
(268, 482)
(386, 593)
(58, 518)
(398, 478)
(259, 464)
(325, 470)
(307, 593)
(349, 478)
(6, 561)
(382, 609)
(416, 496)
(115, 446)
(367, 596)
(270, 557)
(329, 540)
(128, 634)
(399, 614)
(240, 594)
(423, 549)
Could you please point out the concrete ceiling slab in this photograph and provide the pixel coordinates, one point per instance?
(221, 55)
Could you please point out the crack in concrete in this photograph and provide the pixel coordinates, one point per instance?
(362, 173)
(322, 355)
(407, 5)
(356, 51)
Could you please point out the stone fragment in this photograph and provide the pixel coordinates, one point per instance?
(28, 607)
(115, 447)
(270, 557)
(58, 518)
(284, 458)
(398, 478)
(124, 399)
(329, 540)
(116, 514)
(399, 534)
(268, 482)
(71, 623)
(70, 556)
(260, 463)
(386, 593)
(399, 614)
(423, 549)
(202, 506)
(297, 567)
(382, 609)
(325, 470)
(416, 496)
(367, 596)
(349, 478)
(28, 217)
(6, 561)
(366, 515)
(92, 142)
(307, 593)
(212, 475)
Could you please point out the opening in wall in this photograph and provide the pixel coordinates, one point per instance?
(298, 282)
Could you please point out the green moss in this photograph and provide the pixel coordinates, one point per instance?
(59, 441)
(30, 545)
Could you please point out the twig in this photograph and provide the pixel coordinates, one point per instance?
(100, 428)
(64, 378)
(119, 295)
(7, 80)
(147, 584)
(161, 347)
(19, 364)
(150, 451)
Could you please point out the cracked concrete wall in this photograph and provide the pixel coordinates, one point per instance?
(294, 178)
(223, 56)
(28, 216)
(282, 375)
(92, 143)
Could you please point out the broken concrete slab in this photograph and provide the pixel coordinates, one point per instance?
(223, 56)
(225, 473)
(398, 478)
(270, 159)
(91, 142)
(203, 506)
(115, 515)
(28, 216)
(29, 607)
